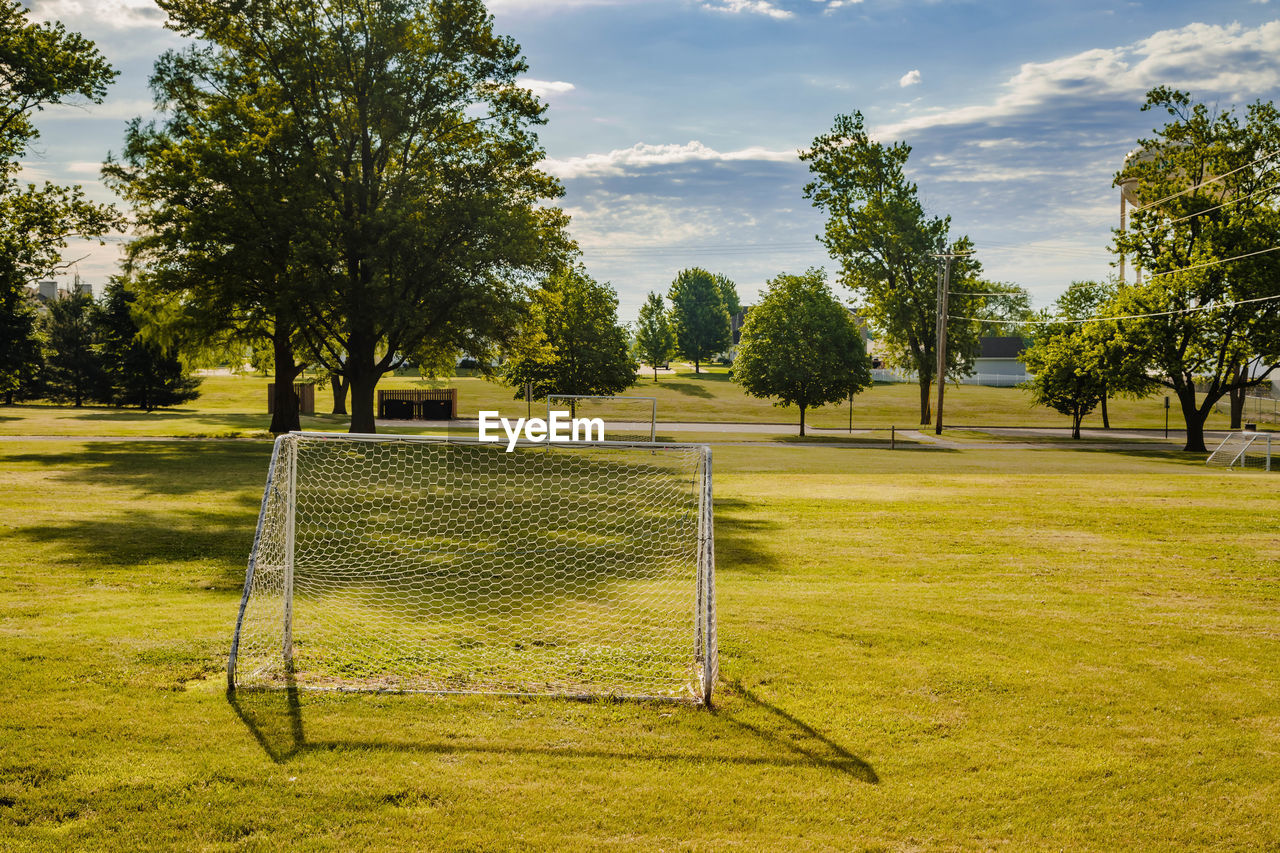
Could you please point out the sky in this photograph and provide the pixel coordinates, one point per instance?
(675, 125)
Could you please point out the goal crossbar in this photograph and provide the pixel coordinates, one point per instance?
(441, 564)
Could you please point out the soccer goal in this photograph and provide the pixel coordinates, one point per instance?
(1243, 450)
(447, 565)
(624, 418)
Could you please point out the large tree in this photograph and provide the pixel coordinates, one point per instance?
(421, 142)
(1205, 236)
(801, 346)
(699, 316)
(570, 341)
(655, 341)
(41, 64)
(886, 246)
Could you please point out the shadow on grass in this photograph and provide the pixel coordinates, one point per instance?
(739, 539)
(160, 468)
(275, 720)
(688, 388)
(153, 538)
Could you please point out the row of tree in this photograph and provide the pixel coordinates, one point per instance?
(698, 325)
(82, 351)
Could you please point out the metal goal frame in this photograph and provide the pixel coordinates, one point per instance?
(284, 461)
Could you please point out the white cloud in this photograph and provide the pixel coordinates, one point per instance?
(756, 7)
(112, 108)
(1230, 59)
(911, 78)
(111, 14)
(641, 155)
(545, 88)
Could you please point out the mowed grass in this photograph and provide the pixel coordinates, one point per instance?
(921, 650)
(236, 406)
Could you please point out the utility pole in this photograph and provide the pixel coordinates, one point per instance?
(944, 288)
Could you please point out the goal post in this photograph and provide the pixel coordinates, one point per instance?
(624, 418)
(1248, 449)
(448, 565)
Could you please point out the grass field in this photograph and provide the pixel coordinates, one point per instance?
(921, 650)
(236, 406)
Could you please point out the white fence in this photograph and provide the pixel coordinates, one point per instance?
(1256, 409)
(994, 380)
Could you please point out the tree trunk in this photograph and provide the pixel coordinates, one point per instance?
(802, 420)
(926, 414)
(1237, 397)
(1106, 421)
(340, 384)
(362, 374)
(1194, 419)
(1076, 417)
(697, 368)
(655, 374)
(284, 406)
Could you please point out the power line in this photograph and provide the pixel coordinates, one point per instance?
(1120, 316)
(1212, 180)
(1214, 263)
(1206, 210)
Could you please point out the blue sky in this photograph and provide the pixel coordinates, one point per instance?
(674, 124)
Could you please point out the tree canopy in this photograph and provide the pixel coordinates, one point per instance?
(1204, 236)
(801, 346)
(570, 341)
(41, 64)
(885, 243)
(425, 217)
(699, 316)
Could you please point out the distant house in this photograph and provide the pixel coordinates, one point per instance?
(998, 356)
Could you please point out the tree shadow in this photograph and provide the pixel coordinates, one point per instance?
(739, 539)
(159, 467)
(688, 388)
(222, 539)
(772, 736)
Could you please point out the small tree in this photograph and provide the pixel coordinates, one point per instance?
(74, 369)
(655, 342)
(1067, 378)
(141, 373)
(699, 316)
(570, 341)
(801, 346)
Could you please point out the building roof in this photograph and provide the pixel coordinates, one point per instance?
(1001, 347)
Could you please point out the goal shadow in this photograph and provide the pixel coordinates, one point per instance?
(747, 730)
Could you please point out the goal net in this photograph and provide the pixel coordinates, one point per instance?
(624, 418)
(417, 563)
(1243, 450)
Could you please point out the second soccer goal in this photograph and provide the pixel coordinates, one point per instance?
(414, 563)
(623, 418)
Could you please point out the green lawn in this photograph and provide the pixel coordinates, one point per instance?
(236, 406)
(921, 650)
